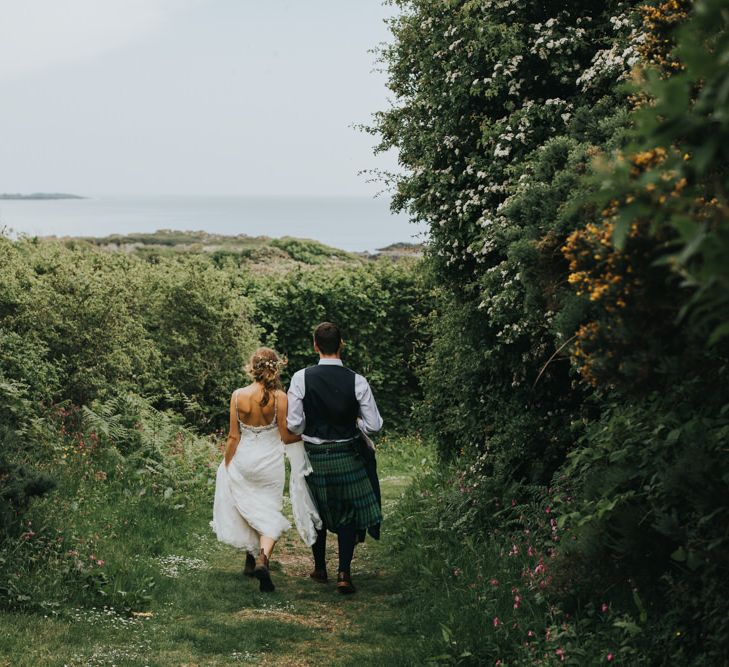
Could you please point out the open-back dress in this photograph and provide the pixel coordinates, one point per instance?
(249, 490)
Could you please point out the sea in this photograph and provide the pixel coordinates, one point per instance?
(350, 223)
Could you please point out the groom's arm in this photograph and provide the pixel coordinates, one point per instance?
(295, 419)
(369, 420)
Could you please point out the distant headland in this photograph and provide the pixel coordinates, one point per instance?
(41, 195)
(260, 252)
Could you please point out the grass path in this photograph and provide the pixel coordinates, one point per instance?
(210, 614)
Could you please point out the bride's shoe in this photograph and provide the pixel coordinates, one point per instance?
(250, 565)
(262, 574)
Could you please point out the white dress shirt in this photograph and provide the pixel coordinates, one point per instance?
(369, 419)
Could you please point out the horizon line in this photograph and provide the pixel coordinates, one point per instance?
(107, 195)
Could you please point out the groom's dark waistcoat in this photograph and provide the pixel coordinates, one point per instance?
(331, 407)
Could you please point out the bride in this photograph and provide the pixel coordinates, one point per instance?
(250, 480)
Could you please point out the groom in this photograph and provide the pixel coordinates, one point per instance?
(328, 405)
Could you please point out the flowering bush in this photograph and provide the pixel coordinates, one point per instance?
(571, 163)
(500, 110)
(492, 593)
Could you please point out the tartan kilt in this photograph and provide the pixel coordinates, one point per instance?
(341, 487)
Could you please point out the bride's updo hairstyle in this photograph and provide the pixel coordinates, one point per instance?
(265, 366)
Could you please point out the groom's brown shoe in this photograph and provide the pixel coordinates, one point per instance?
(344, 583)
(262, 574)
(320, 576)
(250, 565)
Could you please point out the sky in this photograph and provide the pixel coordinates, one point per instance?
(190, 97)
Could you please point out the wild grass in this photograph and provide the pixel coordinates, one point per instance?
(482, 590)
(191, 604)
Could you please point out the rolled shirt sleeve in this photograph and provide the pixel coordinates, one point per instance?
(369, 420)
(295, 419)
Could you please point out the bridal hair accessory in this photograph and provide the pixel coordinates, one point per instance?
(260, 363)
(265, 365)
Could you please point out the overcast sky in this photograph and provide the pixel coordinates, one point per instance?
(233, 97)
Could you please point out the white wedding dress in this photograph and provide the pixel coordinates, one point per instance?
(249, 491)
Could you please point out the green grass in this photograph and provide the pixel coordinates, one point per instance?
(210, 614)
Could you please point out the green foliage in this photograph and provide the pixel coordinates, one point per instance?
(686, 193)
(79, 311)
(78, 323)
(646, 494)
(307, 251)
(378, 308)
(578, 242)
(498, 112)
(204, 332)
(123, 468)
(485, 597)
(20, 484)
(110, 360)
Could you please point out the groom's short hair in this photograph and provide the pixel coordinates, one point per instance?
(328, 338)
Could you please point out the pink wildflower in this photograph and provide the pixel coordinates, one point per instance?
(560, 653)
(610, 657)
(496, 621)
(494, 583)
(605, 607)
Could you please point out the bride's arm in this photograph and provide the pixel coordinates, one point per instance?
(282, 410)
(233, 432)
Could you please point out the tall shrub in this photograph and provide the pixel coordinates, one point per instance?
(498, 110)
(572, 166)
(378, 306)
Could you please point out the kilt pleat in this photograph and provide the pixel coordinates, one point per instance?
(341, 487)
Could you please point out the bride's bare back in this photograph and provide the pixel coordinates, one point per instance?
(245, 405)
(249, 408)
